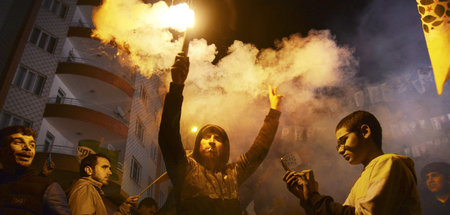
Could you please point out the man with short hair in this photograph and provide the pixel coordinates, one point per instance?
(85, 196)
(147, 206)
(436, 200)
(22, 191)
(205, 183)
(387, 185)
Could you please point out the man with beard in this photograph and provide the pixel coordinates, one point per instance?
(387, 185)
(436, 200)
(85, 196)
(22, 191)
(205, 183)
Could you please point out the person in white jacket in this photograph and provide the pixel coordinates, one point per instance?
(387, 185)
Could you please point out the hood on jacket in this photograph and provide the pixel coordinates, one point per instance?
(225, 153)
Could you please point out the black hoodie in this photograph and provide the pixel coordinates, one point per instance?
(198, 189)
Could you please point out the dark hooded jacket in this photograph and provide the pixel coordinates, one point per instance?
(200, 190)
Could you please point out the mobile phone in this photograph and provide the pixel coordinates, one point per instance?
(285, 166)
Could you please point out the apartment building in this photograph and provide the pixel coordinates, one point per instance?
(69, 87)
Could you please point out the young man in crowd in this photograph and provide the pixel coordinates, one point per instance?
(436, 200)
(387, 185)
(22, 191)
(147, 206)
(85, 196)
(205, 183)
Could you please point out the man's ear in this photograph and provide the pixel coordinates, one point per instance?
(88, 170)
(365, 131)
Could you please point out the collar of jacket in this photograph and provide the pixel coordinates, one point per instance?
(97, 185)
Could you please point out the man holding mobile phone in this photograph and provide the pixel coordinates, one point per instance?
(387, 185)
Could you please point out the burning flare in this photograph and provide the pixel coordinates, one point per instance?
(179, 17)
(141, 31)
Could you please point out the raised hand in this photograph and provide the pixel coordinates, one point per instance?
(274, 98)
(180, 69)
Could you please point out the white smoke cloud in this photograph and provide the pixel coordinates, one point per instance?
(232, 93)
(136, 28)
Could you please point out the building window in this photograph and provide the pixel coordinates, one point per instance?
(56, 7)
(162, 197)
(48, 142)
(163, 167)
(136, 169)
(60, 96)
(144, 95)
(29, 80)
(150, 190)
(8, 119)
(43, 40)
(153, 151)
(140, 130)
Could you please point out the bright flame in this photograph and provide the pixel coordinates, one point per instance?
(194, 129)
(179, 17)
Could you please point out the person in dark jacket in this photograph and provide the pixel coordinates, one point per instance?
(435, 201)
(387, 185)
(205, 183)
(22, 191)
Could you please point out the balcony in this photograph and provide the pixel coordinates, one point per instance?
(89, 105)
(102, 70)
(89, 2)
(78, 29)
(109, 65)
(76, 119)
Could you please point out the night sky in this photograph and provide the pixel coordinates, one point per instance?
(386, 35)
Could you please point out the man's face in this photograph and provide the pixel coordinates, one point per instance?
(436, 181)
(211, 146)
(102, 170)
(144, 210)
(20, 151)
(350, 146)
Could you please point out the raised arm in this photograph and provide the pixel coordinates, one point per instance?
(169, 131)
(249, 162)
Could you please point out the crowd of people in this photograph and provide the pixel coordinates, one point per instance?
(206, 183)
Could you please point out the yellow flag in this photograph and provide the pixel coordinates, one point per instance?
(435, 16)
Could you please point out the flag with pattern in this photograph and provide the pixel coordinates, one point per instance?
(435, 17)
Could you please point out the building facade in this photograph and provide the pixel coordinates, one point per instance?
(70, 88)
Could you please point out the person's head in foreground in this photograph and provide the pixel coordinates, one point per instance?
(212, 147)
(96, 167)
(17, 147)
(359, 137)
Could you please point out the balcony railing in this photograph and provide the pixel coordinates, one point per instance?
(108, 65)
(67, 150)
(89, 105)
(60, 149)
(82, 24)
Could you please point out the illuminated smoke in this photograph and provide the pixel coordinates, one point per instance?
(233, 93)
(140, 31)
